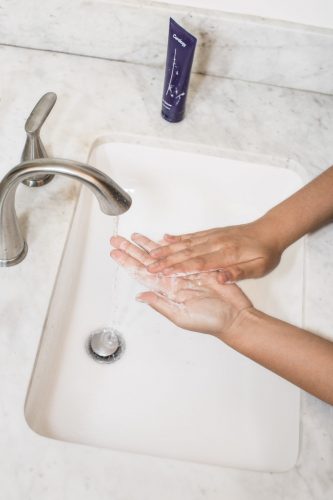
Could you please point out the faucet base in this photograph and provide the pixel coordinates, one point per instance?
(15, 260)
(38, 180)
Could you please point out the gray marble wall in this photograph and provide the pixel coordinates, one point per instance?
(135, 31)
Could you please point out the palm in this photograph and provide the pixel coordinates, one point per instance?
(196, 302)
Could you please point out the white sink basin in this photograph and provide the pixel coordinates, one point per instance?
(172, 393)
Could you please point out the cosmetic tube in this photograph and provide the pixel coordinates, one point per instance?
(181, 46)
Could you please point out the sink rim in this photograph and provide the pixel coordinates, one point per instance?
(103, 140)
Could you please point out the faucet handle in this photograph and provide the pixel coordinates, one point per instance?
(40, 112)
(34, 147)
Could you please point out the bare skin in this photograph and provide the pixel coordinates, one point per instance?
(202, 303)
(206, 306)
(249, 250)
(199, 300)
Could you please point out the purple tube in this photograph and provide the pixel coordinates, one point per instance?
(179, 60)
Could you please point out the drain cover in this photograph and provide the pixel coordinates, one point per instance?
(106, 345)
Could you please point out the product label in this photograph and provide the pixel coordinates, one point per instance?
(174, 80)
(179, 40)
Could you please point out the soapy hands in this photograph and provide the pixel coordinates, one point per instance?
(243, 251)
(198, 302)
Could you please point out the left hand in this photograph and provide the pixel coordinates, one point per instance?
(199, 302)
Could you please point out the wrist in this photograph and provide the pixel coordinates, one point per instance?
(245, 323)
(273, 231)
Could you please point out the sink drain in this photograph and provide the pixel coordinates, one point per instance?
(106, 345)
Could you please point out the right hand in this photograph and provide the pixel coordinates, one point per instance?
(240, 252)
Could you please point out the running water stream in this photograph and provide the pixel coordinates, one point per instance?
(114, 296)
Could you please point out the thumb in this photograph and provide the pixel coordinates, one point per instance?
(241, 271)
(161, 304)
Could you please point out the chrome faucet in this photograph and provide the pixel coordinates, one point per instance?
(36, 170)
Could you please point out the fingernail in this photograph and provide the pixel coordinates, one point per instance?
(140, 299)
(227, 275)
(116, 254)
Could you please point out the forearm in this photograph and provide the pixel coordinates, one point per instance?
(297, 355)
(305, 211)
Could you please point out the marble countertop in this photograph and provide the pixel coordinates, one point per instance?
(96, 98)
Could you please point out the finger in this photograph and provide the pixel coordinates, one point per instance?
(201, 243)
(169, 287)
(183, 264)
(115, 241)
(144, 242)
(241, 271)
(159, 283)
(171, 237)
(138, 270)
(132, 250)
(180, 237)
(225, 277)
(181, 294)
(161, 304)
(204, 255)
(140, 273)
(198, 280)
(166, 250)
(126, 260)
(181, 242)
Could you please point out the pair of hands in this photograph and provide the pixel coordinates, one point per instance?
(189, 275)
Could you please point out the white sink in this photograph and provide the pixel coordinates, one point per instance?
(172, 393)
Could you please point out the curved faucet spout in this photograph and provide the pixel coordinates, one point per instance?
(113, 200)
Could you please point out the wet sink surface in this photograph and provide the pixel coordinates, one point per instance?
(172, 393)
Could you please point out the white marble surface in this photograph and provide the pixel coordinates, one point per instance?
(312, 12)
(98, 97)
(229, 45)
